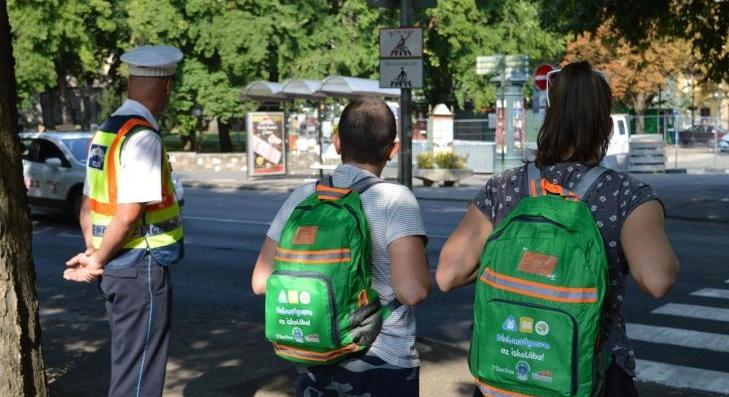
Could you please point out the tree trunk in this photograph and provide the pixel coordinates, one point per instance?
(63, 98)
(21, 363)
(48, 109)
(226, 146)
(639, 107)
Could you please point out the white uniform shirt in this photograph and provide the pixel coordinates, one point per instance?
(140, 175)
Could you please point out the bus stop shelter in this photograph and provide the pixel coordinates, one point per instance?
(296, 144)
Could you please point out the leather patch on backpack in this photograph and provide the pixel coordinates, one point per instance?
(306, 235)
(539, 264)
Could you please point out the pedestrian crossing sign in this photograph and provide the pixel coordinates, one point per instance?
(401, 73)
(401, 43)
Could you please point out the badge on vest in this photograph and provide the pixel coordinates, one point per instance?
(97, 154)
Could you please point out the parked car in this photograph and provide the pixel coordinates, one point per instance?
(54, 169)
(701, 135)
(724, 143)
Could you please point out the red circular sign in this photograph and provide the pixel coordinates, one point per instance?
(540, 76)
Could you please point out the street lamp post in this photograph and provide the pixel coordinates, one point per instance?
(693, 106)
(719, 96)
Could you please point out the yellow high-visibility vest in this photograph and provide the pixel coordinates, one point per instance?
(160, 225)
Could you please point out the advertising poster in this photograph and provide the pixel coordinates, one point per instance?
(266, 148)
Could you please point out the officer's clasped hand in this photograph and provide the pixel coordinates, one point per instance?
(84, 267)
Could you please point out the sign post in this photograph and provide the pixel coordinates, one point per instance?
(509, 75)
(540, 76)
(401, 66)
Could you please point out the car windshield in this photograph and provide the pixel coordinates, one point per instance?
(79, 147)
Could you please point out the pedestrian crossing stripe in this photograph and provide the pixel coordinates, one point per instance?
(693, 311)
(678, 337)
(712, 293)
(682, 377)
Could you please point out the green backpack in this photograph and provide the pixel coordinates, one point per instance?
(542, 282)
(320, 305)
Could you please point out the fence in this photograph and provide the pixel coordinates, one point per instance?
(699, 140)
(473, 130)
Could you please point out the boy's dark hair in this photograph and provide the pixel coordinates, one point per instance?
(577, 123)
(367, 131)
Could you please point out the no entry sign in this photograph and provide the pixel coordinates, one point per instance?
(540, 76)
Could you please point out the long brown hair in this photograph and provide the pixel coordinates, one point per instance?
(577, 123)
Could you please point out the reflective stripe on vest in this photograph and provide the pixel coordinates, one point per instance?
(153, 229)
(160, 224)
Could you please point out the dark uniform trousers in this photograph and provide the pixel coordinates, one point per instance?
(139, 306)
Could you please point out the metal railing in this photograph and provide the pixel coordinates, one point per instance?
(473, 130)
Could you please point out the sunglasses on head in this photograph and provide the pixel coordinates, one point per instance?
(552, 79)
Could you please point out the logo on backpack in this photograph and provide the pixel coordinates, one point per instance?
(298, 335)
(526, 325)
(522, 370)
(509, 324)
(541, 328)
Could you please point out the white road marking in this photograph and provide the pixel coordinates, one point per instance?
(682, 377)
(223, 220)
(43, 229)
(693, 311)
(679, 337)
(712, 293)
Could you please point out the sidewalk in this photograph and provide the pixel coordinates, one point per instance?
(693, 197)
(233, 359)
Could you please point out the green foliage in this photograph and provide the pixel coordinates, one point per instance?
(229, 43)
(426, 160)
(459, 31)
(702, 22)
(444, 160)
(109, 101)
(53, 38)
(449, 160)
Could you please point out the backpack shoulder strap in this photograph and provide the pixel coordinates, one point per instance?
(532, 180)
(588, 182)
(326, 191)
(365, 183)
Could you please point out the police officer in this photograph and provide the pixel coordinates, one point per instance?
(132, 227)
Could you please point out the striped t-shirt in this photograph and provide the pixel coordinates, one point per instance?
(392, 213)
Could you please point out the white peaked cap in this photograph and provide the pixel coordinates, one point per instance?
(152, 61)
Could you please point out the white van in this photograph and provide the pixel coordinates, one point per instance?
(617, 153)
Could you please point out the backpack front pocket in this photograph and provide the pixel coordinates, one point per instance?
(301, 311)
(528, 348)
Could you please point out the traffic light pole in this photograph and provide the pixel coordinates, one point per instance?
(406, 141)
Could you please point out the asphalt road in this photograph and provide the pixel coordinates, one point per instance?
(681, 340)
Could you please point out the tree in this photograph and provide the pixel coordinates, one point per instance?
(62, 44)
(459, 31)
(703, 23)
(20, 333)
(635, 73)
